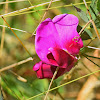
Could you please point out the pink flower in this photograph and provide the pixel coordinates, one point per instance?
(57, 42)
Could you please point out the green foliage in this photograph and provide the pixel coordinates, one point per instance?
(1, 95)
(94, 9)
(82, 14)
(22, 89)
(86, 34)
(98, 5)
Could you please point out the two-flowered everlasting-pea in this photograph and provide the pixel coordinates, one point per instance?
(57, 43)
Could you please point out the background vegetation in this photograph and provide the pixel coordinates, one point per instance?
(19, 81)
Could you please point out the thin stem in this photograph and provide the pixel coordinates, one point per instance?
(3, 31)
(88, 43)
(17, 37)
(46, 11)
(91, 41)
(93, 47)
(22, 79)
(43, 16)
(1, 94)
(97, 33)
(90, 56)
(65, 84)
(54, 75)
(15, 29)
(16, 64)
(87, 9)
(33, 8)
(81, 31)
(7, 86)
(88, 69)
(30, 2)
(91, 61)
(60, 96)
(84, 27)
(18, 76)
(26, 9)
(11, 1)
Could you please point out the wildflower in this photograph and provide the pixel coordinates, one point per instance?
(57, 42)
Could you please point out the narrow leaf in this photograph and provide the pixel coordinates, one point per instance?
(97, 18)
(86, 34)
(1, 95)
(98, 5)
(82, 14)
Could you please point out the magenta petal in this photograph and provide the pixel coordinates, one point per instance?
(60, 57)
(66, 25)
(65, 20)
(44, 70)
(47, 71)
(46, 37)
(37, 66)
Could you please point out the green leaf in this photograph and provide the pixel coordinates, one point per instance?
(93, 2)
(21, 89)
(86, 34)
(1, 95)
(82, 14)
(93, 9)
(97, 23)
(94, 13)
(97, 18)
(98, 5)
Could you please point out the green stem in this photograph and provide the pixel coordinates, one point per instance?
(90, 56)
(65, 84)
(91, 60)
